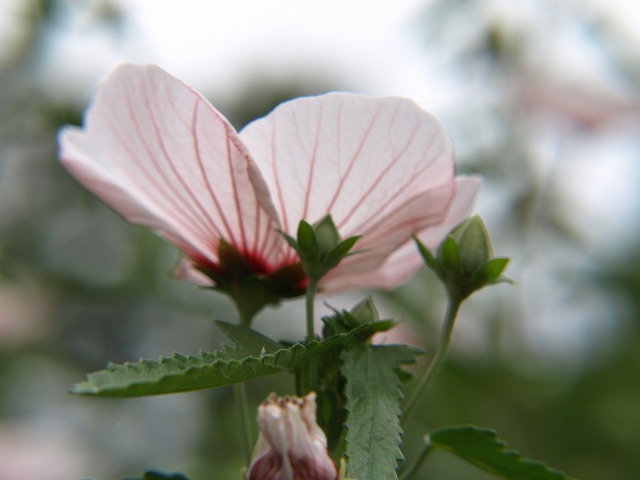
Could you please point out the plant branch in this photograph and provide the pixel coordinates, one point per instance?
(417, 464)
(245, 427)
(446, 334)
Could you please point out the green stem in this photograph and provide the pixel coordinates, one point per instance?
(442, 349)
(417, 464)
(245, 426)
(312, 289)
(242, 399)
(307, 381)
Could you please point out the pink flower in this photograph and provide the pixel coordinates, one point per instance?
(291, 445)
(158, 153)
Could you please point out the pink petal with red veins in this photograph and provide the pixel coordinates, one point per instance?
(355, 157)
(382, 167)
(377, 243)
(160, 155)
(405, 261)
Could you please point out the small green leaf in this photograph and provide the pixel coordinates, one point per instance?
(373, 405)
(482, 448)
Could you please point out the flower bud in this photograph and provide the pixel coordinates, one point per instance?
(291, 445)
(320, 247)
(464, 261)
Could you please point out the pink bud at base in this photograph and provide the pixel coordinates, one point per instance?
(291, 445)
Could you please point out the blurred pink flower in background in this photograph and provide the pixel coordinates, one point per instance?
(24, 312)
(159, 154)
(38, 452)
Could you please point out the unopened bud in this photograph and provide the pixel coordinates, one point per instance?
(291, 445)
(320, 247)
(464, 261)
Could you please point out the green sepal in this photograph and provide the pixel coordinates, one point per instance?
(308, 245)
(490, 272)
(482, 448)
(293, 243)
(449, 256)
(474, 244)
(319, 246)
(428, 257)
(327, 236)
(341, 251)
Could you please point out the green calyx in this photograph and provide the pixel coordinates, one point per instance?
(464, 261)
(320, 247)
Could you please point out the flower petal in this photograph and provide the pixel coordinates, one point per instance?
(405, 261)
(291, 445)
(358, 158)
(159, 154)
(380, 241)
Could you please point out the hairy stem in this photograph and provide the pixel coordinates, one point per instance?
(245, 426)
(242, 399)
(310, 370)
(312, 289)
(417, 464)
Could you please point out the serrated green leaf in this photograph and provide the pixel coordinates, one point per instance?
(373, 405)
(482, 448)
(180, 373)
(250, 340)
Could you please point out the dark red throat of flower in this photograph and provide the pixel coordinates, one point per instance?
(236, 267)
